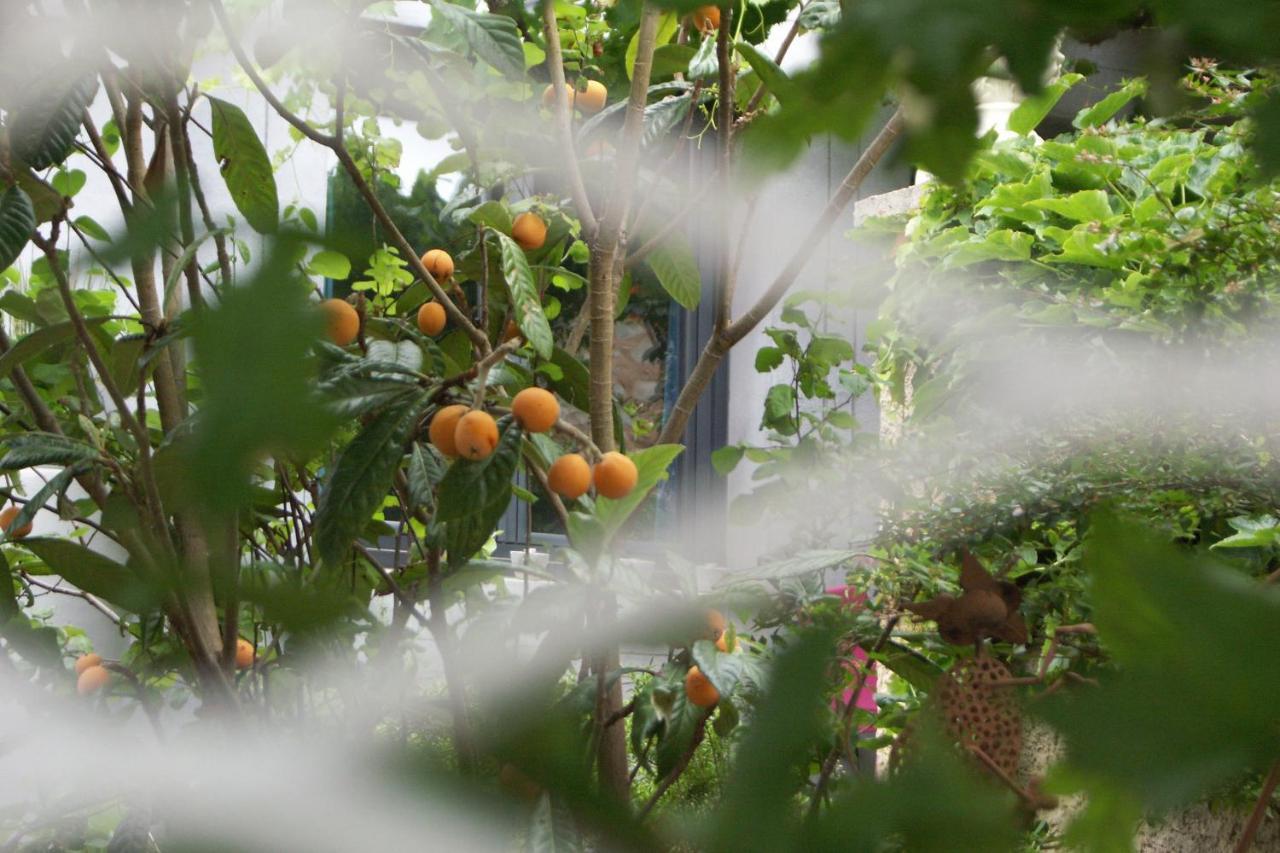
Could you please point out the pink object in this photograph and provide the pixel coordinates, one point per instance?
(867, 695)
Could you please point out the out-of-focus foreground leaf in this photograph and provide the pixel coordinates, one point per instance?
(1195, 703)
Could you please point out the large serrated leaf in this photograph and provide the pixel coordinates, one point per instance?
(467, 535)
(598, 120)
(53, 487)
(360, 481)
(246, 168)
(40, 135)
(92, 572)
(41, 340)
(26, 450)
(426, 470)
(470, 486)
(17, 223)
(524, 296)
(909, 665)
(660, 117)
(724, 670)
(574, 384)
(705, 64)
(677, 271)
(493, 38)
(680, 722)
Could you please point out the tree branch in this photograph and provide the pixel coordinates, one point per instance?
(719, 344)
(409, 253)
(563, 128)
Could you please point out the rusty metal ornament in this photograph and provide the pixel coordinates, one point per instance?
(986, 608)
(978, 713)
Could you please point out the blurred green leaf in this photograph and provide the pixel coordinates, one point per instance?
(929, 805)
(253, 356)
(1172, 619)
(757, 810)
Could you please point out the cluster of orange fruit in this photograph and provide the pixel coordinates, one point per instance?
(458, 430)
(697, 687)
(92, 675)
(342, 321)
(588, 100)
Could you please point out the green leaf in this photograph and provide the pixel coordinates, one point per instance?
(666, 29)
(68, 182)
(527, 307)
(465, 536)
(1082, 206)
(803, 563)
(1260, 532)
(1105, 109)
(552, 828)
(330, 264)
(829, 350)
(39, 341)
(724, 670)
(680, 722)
(493, 38)
(726, 458)
(574, 385)
(936, 798)
(755, 813)
(651, 466)
(769, 72)
(1171, 617)
(913, 667)
(41, 133)
(92, 228)
(254, 351)
(426, 470)
(246, 168)
(51, 490)
(1028, 114)
(26, 450)
(92, 572)
(17, 224)
(704, 65)
(671, 59)
(492, 214)
(1000, 245)
(677, 271)
(470, 486)
(661, 117)
(597, 121)
(360, 480)
(779, 409)
(768, 359)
